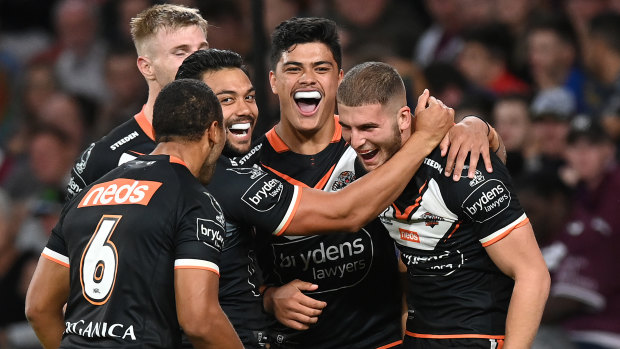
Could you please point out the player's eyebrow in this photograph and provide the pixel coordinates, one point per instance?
(231, 92)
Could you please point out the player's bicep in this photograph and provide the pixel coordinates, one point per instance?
(49, 287)
(517, 252)
(196, 291)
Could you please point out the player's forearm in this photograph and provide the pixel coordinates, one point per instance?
(48, 326)
(526, 308)
(497, 145)
(216, 332)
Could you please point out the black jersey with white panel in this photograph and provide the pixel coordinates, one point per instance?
(356, 272)
(441, 228)
(129, 140)
(250, 197)
(122, 239)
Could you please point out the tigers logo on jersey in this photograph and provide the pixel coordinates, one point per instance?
(120, 191)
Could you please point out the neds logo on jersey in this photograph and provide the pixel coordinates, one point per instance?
(120, 191)
(488, 200)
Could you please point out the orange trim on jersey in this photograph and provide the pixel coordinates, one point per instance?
(280, 147)
(285, 177)
(144, 124)
(405, 215)
(449, 336)
(391, 345)
(276, 142)
(197, 267)
(499, 237)
(290, 218)
(323, 181)
(293, 181)
(337, 130)
(453, 230)
(55, 260)
(175, 160)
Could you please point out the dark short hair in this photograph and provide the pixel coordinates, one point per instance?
(370, 83)
(606, 26)
(183, 110)
(203, 61)
(495, 37)
(587, 129)
(302, 30)
(559, 24)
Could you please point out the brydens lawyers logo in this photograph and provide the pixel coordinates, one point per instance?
(409, 235)
(120, 191)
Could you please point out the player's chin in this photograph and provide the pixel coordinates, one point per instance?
(237, 148)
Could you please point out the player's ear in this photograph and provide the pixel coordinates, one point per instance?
(215, 133)
(404, 118)
(272, 82)
(146, 68)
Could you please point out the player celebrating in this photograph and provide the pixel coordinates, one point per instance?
(164, 35)
(251, 196)
(351, 280)
(476, 275)
(121, 274)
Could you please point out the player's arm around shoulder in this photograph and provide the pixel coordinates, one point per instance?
(47, 294)
(199, 311)
(518, 256)
(361, 201)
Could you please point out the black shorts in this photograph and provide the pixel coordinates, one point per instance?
(436, 343)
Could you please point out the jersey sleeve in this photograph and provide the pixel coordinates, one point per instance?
(488, 201)
(200, 236)
(257, 197)
(56, 248)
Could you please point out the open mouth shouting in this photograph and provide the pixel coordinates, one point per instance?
(368, 155)
(240, 129)
(307, 101)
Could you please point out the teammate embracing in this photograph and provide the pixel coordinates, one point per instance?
(476, 276)
(349, 281)
(137, 253)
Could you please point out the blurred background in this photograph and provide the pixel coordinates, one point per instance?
(544, 73)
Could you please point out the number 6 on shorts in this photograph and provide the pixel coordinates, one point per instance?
(99, 262)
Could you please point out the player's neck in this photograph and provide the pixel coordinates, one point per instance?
(150, 102)
(191, 154)
(305, 142)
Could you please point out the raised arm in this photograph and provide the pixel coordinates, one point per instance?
(518, 256)
(47, 294)
(199, 311)
(361, 201)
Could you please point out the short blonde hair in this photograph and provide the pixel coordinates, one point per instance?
(165, 16)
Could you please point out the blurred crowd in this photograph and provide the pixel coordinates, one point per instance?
(544, 73)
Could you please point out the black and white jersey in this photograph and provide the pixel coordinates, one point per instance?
(122, 238)
(356, 272)
(249, 197)
(441, 228)
(129, 140)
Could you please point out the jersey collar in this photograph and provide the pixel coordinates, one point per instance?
(144, 124)
(279, 146)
